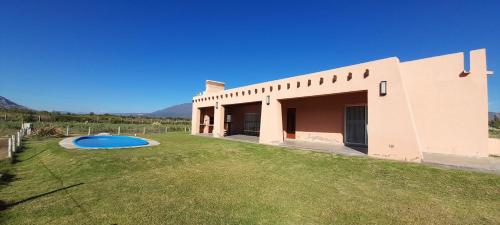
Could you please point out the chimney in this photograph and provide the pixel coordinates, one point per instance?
(213, 86)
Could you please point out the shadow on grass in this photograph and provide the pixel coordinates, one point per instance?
(15, 160)
(6, 178)
(5, 205)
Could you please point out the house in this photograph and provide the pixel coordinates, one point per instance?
(396, 110)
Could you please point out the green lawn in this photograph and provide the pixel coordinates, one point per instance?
(198, 180)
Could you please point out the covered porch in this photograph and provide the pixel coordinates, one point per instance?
(328, 121)
(242, 119)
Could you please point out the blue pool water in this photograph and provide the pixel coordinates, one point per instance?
(108, 142)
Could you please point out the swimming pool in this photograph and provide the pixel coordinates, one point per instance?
(109, 142)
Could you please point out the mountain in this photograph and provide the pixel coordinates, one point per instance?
(8, 104)
(181, 111)
(491, 115)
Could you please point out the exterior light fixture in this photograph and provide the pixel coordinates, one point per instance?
(268, 100)
(383, 88)
(217, 105)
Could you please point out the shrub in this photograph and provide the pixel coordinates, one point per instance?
(48, 131)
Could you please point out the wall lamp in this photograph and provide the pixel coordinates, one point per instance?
(383, 88)
(217, 105)
(268, 100)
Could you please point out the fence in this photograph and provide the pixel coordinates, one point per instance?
(104, 118)
(120, 129)
(14, 142)
(7, 128)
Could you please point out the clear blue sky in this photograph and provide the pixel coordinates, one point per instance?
(139, 56)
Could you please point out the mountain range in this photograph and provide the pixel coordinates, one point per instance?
(181, 110)
(8, 104)
(492, 115)
(177, 111)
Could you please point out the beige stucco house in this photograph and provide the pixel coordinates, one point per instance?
(396, 110)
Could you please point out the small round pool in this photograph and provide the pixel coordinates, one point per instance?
(109, 142)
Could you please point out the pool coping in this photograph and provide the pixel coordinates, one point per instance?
(69, 144)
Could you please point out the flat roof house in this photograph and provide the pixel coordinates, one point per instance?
(396, 110)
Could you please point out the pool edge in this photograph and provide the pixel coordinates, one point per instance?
(69, 144)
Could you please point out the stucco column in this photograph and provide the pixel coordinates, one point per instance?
(218, 121)
(195, 120)
(271, 124)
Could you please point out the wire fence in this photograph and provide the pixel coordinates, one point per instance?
(82, 128)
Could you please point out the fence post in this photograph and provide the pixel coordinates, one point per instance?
(144, 130)
(9, 149)
(88, 132)
(118, 130)
(13, 140)
(67, 130)
(166, 129)
(185, 129)
(18, 139)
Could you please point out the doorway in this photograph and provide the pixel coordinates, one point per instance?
(356, 122)
(290, 123)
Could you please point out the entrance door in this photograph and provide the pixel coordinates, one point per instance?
(290, 123)
(355, 125)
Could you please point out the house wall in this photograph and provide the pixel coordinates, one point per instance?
(494, 146)
(450, 109)
(321, 118)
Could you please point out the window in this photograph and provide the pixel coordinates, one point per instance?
(320, 81)
(298, 84)
(308, 83)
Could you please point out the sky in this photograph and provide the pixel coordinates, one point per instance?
(140, 56)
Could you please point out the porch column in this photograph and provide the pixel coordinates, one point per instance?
(271, 124)
(195, 120)
(218, 130)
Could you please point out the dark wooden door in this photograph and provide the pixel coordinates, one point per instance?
(290, 123)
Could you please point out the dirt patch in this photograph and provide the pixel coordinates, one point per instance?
(3, 148)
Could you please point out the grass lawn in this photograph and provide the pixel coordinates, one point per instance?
(198, 180)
